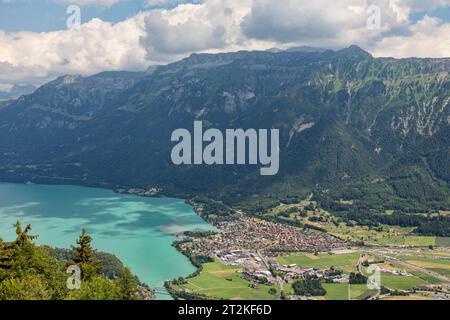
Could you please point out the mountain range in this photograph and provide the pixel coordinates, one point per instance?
(355, 131)
(16, 91)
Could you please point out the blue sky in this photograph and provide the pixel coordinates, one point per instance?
(134, 34)
(441, 13)
(44, 16)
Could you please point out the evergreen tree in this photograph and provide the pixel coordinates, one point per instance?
(22, 262)
(9, 250)
(128, 285)
(31, 272)
(84, 256)
(23, 236)
(84, 252)
(98, 288)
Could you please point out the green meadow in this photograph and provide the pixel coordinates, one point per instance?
(389, 235)
(225, 282)
(438, 265)
(346, 262)
(425, 277)
(402, 283)
(344, 291)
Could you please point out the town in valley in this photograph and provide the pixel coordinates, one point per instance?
(311, 259)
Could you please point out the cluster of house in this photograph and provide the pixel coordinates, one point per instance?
(150, 192)
(290, 273)
(395, 272)
(267, 237)
(259, 271)
(242, 258)
(252, 243)
(259, 276)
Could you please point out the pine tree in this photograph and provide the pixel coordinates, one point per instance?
(9, 250)
(84, 252)
(83, 256)
(128, 286)
(23, 236)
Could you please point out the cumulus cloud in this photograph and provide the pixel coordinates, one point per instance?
(191, 27)
(175, 29)
(295, 20)
(96, 47)
(429, 37)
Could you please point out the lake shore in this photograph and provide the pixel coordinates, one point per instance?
(120, 214)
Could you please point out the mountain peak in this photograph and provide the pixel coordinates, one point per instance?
(356, 52)
(67, 79)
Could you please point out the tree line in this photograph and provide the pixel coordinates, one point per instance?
(32, 272)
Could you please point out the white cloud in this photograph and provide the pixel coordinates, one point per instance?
(222, 25)
(98, 46)
(164, 35)
(188, 28)
(429, 37)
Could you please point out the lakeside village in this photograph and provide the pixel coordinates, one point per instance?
(255, 251)
(253, 244)
(253, 247)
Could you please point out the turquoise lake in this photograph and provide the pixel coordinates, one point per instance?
(138, 230)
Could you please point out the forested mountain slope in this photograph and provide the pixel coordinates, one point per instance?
(370, 131)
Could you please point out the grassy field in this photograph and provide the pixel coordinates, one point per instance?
(401, 283)
(443, 242)
(361, 292)
(336, 291)
(420, 241)
(221, 281)
(444, 272)
(415, 278)
(288, 290)
(346, 262)
(389, 235)
(343, 291)
(441, 266)
(425, 277)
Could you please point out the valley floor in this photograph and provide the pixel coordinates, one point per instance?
(257, 259)
(401, 276)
